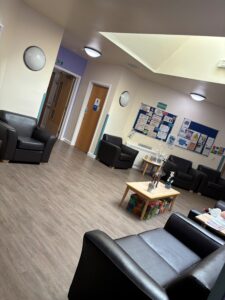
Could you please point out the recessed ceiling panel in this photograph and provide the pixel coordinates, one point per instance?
(194, 57)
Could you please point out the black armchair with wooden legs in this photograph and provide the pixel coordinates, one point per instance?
(22, 140)
(114, 153)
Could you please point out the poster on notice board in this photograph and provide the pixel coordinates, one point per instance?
(196, 137)
(154, 122)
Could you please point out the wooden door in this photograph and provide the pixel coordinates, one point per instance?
(58, 105)
(91, 117)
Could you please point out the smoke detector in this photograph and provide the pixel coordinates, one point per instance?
(221, 64)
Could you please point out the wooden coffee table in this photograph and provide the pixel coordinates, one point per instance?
(141, 189)
(205, 218)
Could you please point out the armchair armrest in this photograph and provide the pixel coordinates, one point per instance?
(198, 281)
(106, 270)
(194, 236)
(129, 150)
(9, 136)
(193, 213)
(108, 153)
(199, 178)
(47, 138)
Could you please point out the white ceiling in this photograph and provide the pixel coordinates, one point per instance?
(84, 19)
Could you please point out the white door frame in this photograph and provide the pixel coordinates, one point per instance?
(70, 104)
(84, 105)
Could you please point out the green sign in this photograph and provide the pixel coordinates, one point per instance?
(162, 105)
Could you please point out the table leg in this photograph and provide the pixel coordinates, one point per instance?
(145, 168)
(172, 203)
(144, 209)
(124, 195)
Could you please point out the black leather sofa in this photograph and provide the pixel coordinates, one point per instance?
(212, 185)
(185, 176)
(114, 153)
(180, 261)
(23, 140)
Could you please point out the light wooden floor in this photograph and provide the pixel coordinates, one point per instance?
(45, 210)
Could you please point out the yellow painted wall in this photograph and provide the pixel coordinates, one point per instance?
(21, 90)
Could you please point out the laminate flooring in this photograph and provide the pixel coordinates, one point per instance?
(45, 210)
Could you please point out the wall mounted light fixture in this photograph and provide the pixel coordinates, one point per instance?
(92, 52)
(34, 58)
(197, 97)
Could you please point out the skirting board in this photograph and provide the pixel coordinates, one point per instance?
(136, 167)
(66, 141)
(92, 155)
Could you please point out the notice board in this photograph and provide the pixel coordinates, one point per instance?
(196, 137)
(154, 122)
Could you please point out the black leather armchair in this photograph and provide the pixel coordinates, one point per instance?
(23, 140)
(212, 185)
(185, 176)
(180, 261)
(113, 153)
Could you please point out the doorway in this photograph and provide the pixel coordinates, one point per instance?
(57, 99)
(91, 117)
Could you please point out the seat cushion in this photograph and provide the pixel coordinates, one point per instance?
(148, 259)
(29, 143)
(184, 176)
(215, 186)
(171, 250)
(125, 157)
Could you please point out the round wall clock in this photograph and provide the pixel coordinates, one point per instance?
(124, 98)
(34, 58)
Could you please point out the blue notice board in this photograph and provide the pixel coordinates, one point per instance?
(196, 137)
(154, 122)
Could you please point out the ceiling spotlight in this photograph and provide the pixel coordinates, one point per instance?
(197, 97)
(92, 52)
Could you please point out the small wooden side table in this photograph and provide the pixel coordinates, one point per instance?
(147, 162)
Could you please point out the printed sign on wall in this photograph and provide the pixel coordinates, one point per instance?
(154, 122)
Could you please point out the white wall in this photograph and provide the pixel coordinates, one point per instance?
(121, 119)
(102, 74)
(178, 104)
(21, 90)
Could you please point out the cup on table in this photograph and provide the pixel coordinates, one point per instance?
(215, 212)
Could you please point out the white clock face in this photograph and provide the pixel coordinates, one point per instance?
(34, 58)
(124, 98)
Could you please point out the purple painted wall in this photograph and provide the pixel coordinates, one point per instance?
(71, 61)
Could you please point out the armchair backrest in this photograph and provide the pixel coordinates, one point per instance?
(213, 175)
(24, 125)
(183, 165)
(116, 140)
